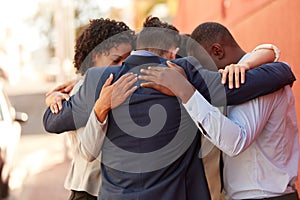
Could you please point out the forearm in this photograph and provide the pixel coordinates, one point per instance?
(225, 134)
(260, 81)
(61, 122)
(91, 138)
(264, 53)
(101, 111)
(258, 58)
(183, 90)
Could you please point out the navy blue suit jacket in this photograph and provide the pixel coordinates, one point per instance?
(259, 81)
(152, 146)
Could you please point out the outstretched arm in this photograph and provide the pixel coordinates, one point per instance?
(262, 80)
(230, 137)
(56, 96)
(262, 54)
(76, 111)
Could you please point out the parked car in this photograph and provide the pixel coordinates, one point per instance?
(3, 75)
(10, 132)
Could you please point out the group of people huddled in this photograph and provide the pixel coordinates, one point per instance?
(158, 114)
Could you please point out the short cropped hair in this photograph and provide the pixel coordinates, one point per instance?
(211, 32)
(157, 36)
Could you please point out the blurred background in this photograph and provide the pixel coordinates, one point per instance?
(36, 52)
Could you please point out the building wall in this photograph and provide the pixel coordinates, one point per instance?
(251, 22)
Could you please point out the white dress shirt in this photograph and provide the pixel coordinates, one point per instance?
(260, 142)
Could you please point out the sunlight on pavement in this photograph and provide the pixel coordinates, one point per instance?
(38, 158)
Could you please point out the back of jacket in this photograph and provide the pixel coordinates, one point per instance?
(152, 147)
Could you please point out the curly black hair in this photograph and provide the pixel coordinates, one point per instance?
(99, 37)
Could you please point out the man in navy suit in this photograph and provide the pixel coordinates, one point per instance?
(152, 146)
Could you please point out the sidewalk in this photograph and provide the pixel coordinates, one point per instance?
(46, 185)
(29, 86)
(40, 169)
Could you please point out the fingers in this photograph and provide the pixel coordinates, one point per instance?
(157, 87)
(56, 98)
(149, 85)
(64, 87)
(153, 74)
(130, 91)
(177, 68)
(173, 65)
(154, 86)
(224, 75)
(237, 77)
(127, 77)
(230, 77)
(57, 88)
(122, 89)
(123, 86)
(68, 89)
(59, 101)
(151, 71)
(130, 81)
(243, 75)
(149, 74)
(235, 73)
(50, 92)
(54, 108)
(126, 81)
(65, 96)
(146, 78)
(108, 80)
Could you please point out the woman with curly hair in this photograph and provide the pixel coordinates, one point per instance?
(103, 42)
(98, 39)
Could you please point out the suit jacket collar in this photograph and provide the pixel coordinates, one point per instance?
(134, 63)
(141, 60)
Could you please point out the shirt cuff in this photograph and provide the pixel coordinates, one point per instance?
(198, 107)
(95, 119)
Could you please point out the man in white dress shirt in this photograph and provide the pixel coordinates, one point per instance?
(260, 138)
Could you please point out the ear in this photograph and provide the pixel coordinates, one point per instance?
(217, 51)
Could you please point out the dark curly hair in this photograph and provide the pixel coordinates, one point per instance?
(99, 37)
(157, 36)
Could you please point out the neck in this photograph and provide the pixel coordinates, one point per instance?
(237, 55)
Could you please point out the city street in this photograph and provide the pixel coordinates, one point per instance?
(40, 169)
(42, 159)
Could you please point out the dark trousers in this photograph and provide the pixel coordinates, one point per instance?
(81, 195)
